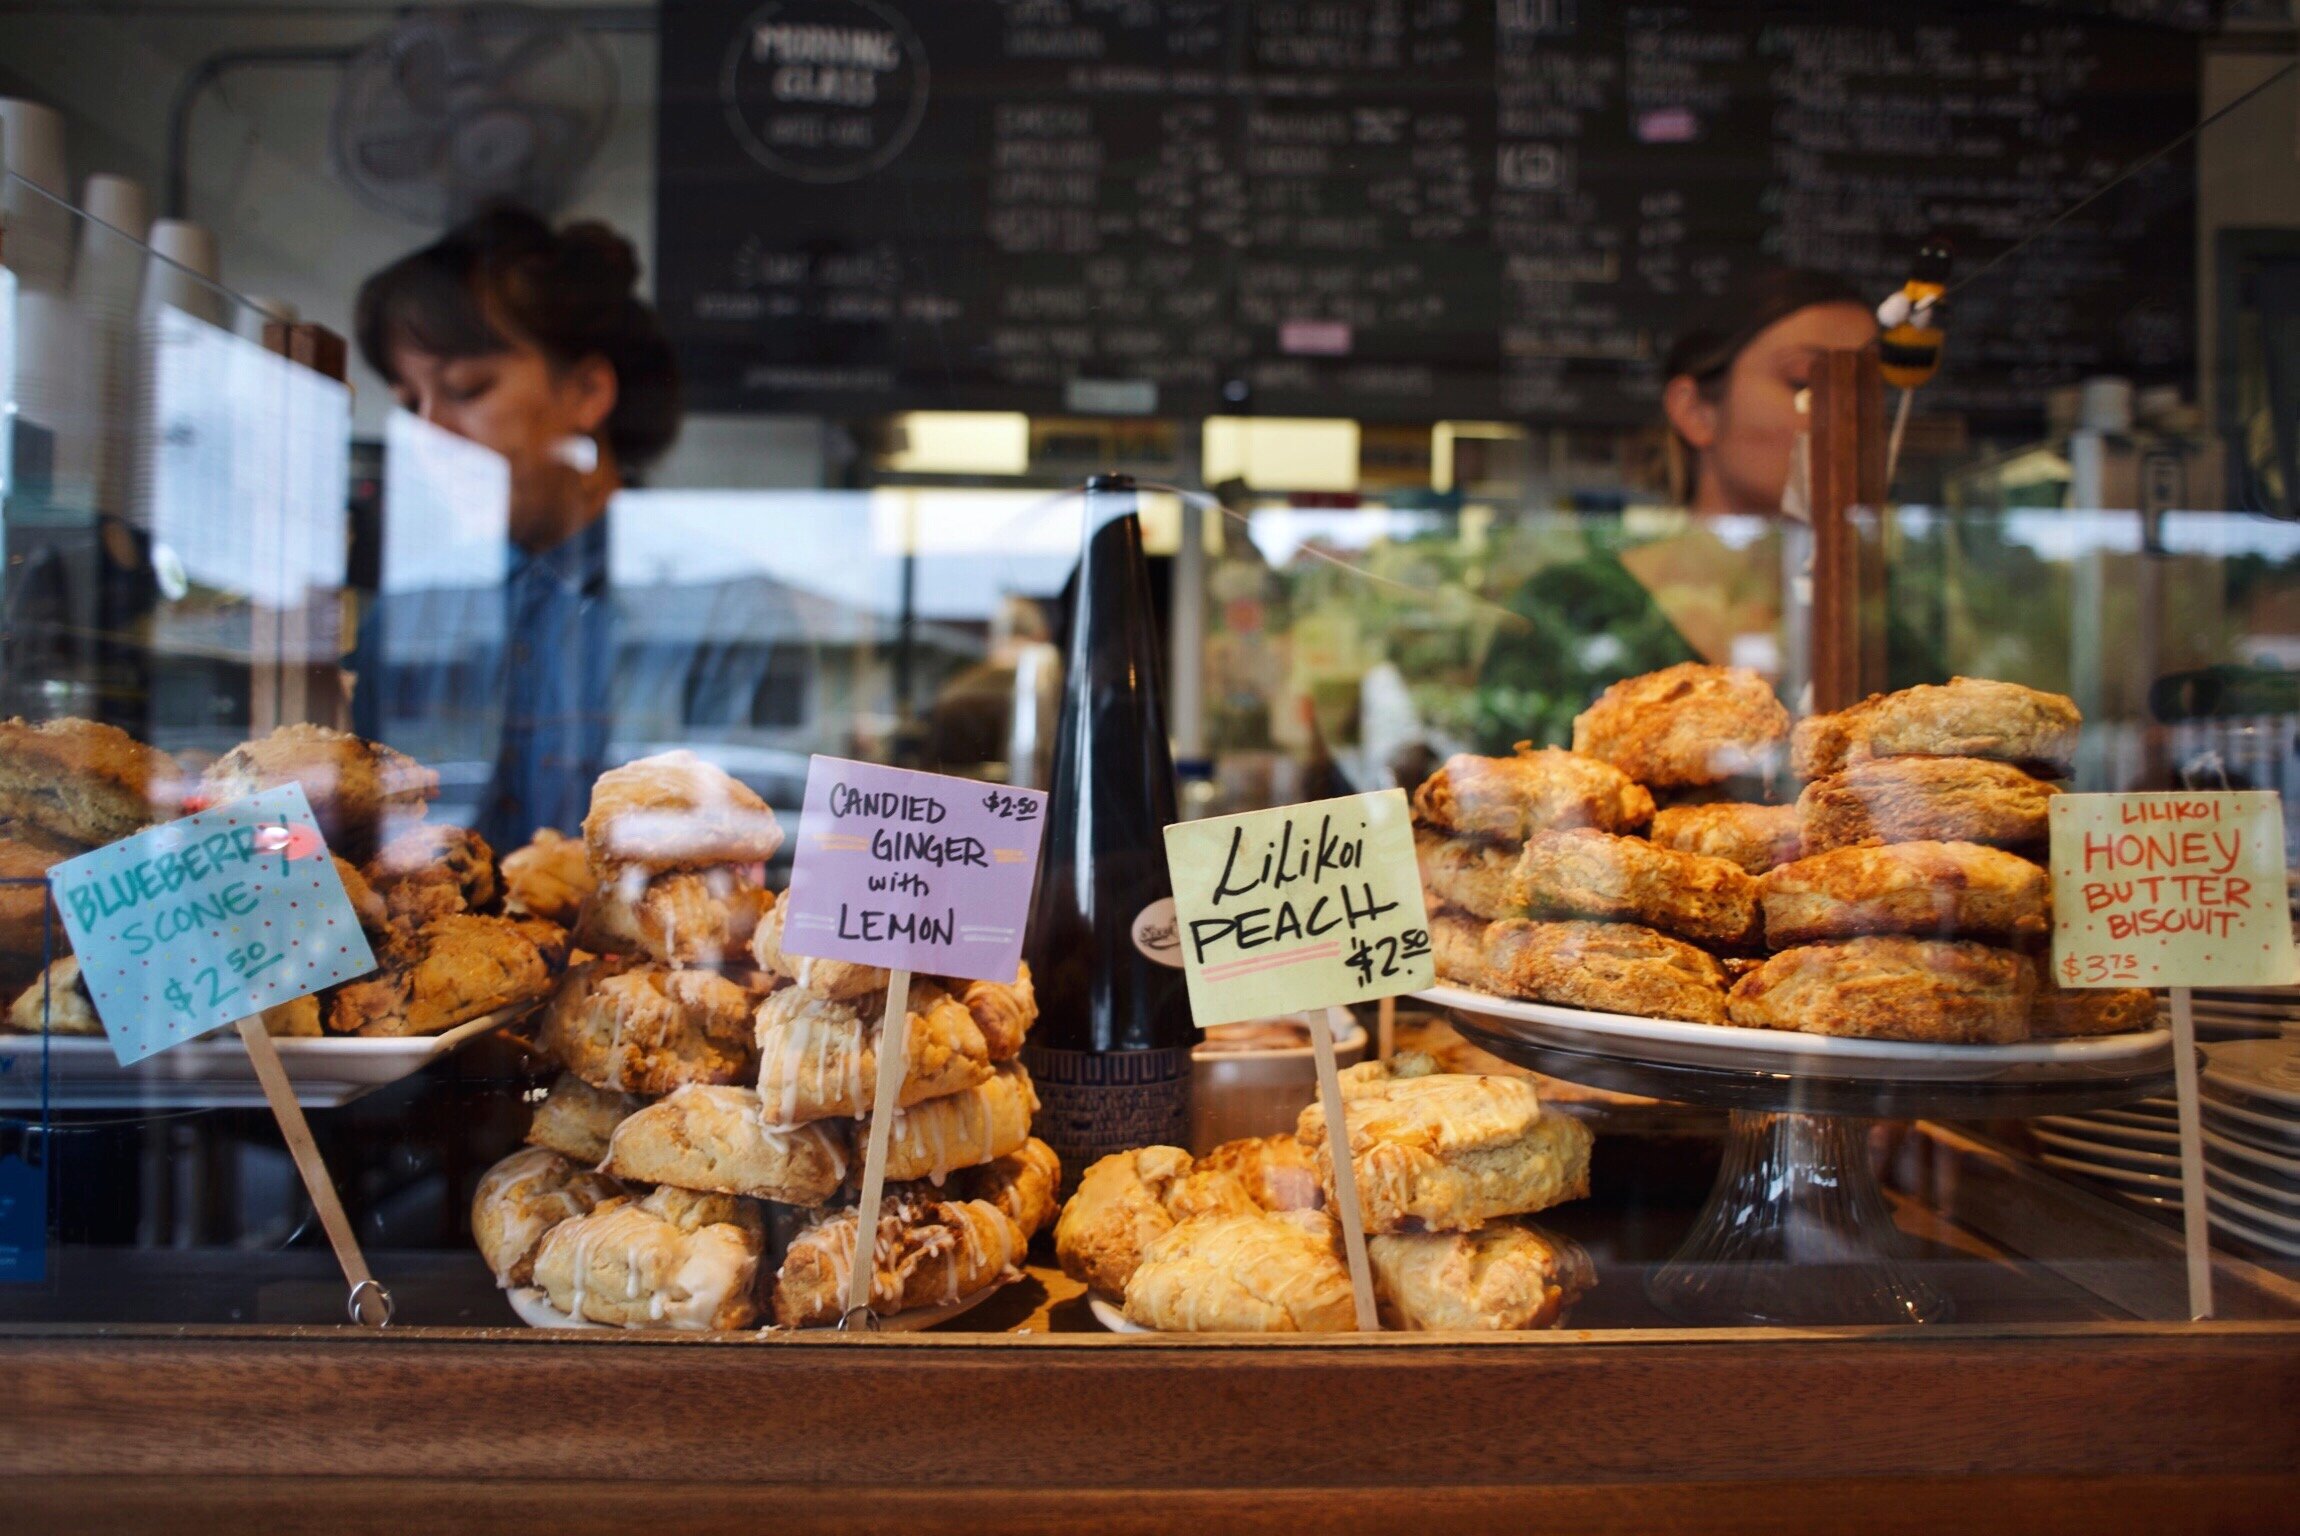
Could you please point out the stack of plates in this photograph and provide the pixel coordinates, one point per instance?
(2251, 1108)
(2134, 1149)
(2244, 1013)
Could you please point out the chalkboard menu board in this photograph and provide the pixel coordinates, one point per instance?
(1390, 209)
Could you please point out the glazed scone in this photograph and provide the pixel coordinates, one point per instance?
(1603, 967)
(296, 1019)
(1965, 717)
(359, 790)
(433, 870)
(1003, 1011)
(676, 811)
(1457, 944)
(56, 1003)
(1448, 1152)
(1465, 874)
(1689, 724)
(716, 1140)
(838, 980)
(643, 1028)
(84, 781)
(1926, 799)
(577, 1120)
(687, 917)
(29, 924)
(1128, 1198)
(521, 1199)
(1250, 1272)
(1504, 1277)
(447, 973)
(548, 878)
(960, 1130)
(628, 1264)
(928, 1252)
(818, 1058)
(1589, 874)
(1276, 1171)
(1817, 744)
(1937, 991)
(1507, 799)
(1937, 890)
(2064, 1013)
(1026, 1184)
(374, 916)
(1756, 837)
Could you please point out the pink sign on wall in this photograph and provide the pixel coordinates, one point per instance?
(913, 871)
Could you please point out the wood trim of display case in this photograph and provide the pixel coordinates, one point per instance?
(2117, 1423)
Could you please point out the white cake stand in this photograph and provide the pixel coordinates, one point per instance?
(1796, 1230)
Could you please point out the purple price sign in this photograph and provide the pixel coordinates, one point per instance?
(913, 871)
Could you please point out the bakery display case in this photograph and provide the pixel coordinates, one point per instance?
(1749, 1135)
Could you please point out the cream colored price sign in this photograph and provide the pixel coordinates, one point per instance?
(2170, 889)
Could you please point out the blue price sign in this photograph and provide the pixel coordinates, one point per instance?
(204, 921)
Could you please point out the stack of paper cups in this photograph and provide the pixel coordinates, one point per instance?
(182, 274)
(36, 199)
(107, 280)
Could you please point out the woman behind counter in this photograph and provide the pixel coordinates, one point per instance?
(530, 342)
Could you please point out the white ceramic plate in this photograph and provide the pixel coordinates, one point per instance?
(2113, 1175)
(2114, 1133)
(1731, 1048)
(2284, 1201)
(2253, 1235)
(2258, 1069)
(2251, 1127)
(1113, 1317)
(2253, 1214)
(2247, 1157)
(2139, 1117)
(215, 1073)
(535, 1310)
(2104, 1152)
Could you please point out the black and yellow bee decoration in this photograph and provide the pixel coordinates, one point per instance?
(1909, 352)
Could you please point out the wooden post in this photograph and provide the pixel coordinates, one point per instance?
(1848, 472)
(284, 686)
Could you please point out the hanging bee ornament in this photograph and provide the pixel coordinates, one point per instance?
(1909, 352)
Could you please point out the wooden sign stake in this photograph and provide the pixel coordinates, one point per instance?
(2195, 1229)
(369, 1302)
(1385, 1029)
(893, 1056)
(1345, 1174)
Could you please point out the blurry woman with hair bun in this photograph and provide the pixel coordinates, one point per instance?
(531, 342)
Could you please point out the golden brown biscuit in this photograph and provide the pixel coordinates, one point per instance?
(1938, 991)
(1003, 1011)
(960, 1130)
(676, 811)
(444, 974)
(1465, 874)
(1129, 1198)
(635, 1028)
(296, 1019)
(687, 917)
(521, 1199)
(1026, 1184)
(1965, 717)
(577, 1120)
(1925, 799)
(838, 980)
(1627, 879)
(56, 1003)
(83, 781)
(1445, 1151)
(1941, 890)
(374, 916)
(1276, 1171)
(1508, 1276)
(2063, 1013)
(360, 791)
(31, 930)
(632, 1264)
(1507, 799)
(819, 1058)
(548, 878)
(1604, 967)
(1687, 724)
(716, 1140)
(434, 870)
(1756, 837)
(1249, 1272)
(928, 1252)
(1457, 944)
